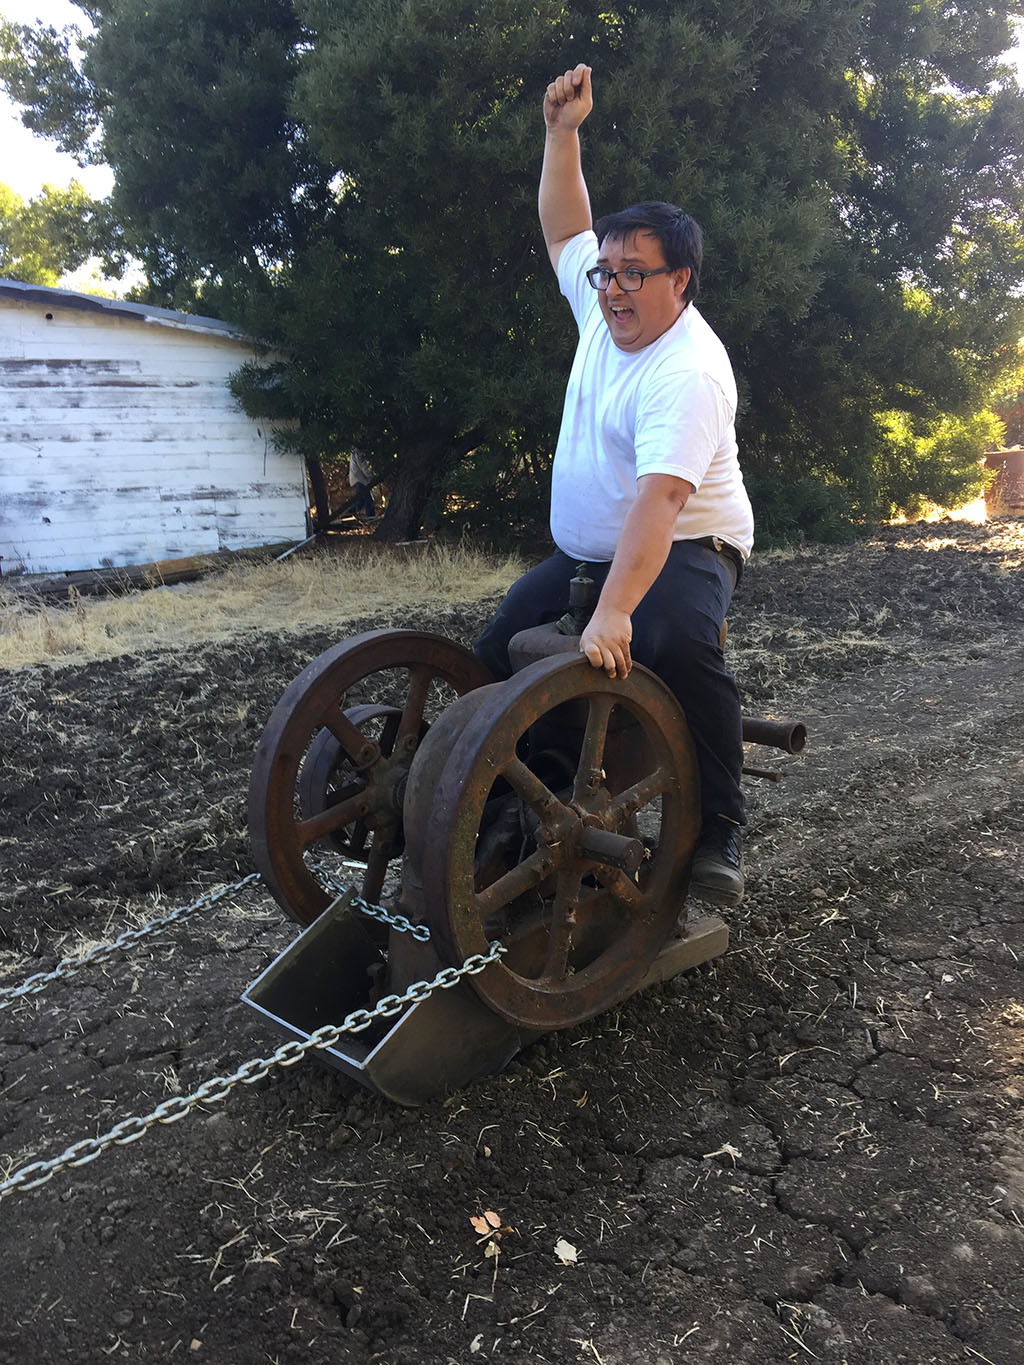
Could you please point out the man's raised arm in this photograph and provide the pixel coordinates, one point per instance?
(563, 202)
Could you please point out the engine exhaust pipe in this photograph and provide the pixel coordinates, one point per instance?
(788, 735)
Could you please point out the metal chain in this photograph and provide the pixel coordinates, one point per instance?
(37, 1173)
(377, 912)
(70, 965)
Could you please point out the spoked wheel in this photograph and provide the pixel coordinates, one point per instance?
(329, 779)
(582, 902)
(328, 776)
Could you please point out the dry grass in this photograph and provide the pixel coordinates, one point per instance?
(973, 511)
(302, 593)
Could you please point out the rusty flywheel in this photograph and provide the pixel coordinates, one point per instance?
(524, 823)
(331, 778)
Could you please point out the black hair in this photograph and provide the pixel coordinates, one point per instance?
(679, 236)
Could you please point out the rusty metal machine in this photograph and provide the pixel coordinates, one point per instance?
(555, 814)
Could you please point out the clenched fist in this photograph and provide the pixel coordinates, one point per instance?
(568, 99)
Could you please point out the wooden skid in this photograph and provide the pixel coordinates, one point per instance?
(705, 937)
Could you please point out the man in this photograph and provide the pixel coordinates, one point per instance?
(646, 486)
(360, 478)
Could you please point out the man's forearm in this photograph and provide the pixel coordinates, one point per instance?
(563, 201)
(640, 556)
(643, 547)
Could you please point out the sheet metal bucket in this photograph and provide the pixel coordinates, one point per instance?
(439, 1044)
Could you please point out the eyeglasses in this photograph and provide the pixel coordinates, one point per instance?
(628, 280)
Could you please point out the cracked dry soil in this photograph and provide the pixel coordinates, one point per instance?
(809, 1149)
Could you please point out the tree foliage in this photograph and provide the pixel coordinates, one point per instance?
(1008, 400)
(50, 235)
(355, 181)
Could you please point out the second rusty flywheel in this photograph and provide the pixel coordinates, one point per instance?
(556, 812)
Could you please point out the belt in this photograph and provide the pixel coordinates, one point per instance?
(721, 547)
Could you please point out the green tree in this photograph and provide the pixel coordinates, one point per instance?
(1008, 400)
(921, 300)
(50, 235)
(433, 113)
(186, 99)
(355, 181)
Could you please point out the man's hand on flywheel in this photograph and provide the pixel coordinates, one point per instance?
(605, 642)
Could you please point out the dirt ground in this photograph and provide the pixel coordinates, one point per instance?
(811, 1148)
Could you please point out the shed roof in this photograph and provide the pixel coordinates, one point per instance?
(16, 290)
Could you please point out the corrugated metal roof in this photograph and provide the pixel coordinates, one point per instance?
(15, 290)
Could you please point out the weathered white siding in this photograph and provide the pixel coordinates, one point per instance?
(120, 443)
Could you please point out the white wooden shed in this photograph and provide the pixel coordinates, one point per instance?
(120, 443)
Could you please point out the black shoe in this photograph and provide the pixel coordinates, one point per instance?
(716, 874)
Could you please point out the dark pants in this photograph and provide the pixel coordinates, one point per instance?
(675, 634)
(363, 499)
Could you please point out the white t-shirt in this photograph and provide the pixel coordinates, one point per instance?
(358, 470)
(667, 409)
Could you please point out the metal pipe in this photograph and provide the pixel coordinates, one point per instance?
(301, 545)
(788, 735)
(769, 773)
(614, 850)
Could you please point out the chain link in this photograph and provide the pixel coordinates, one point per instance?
(377, 912)
(70, 965)
(37, 1173)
